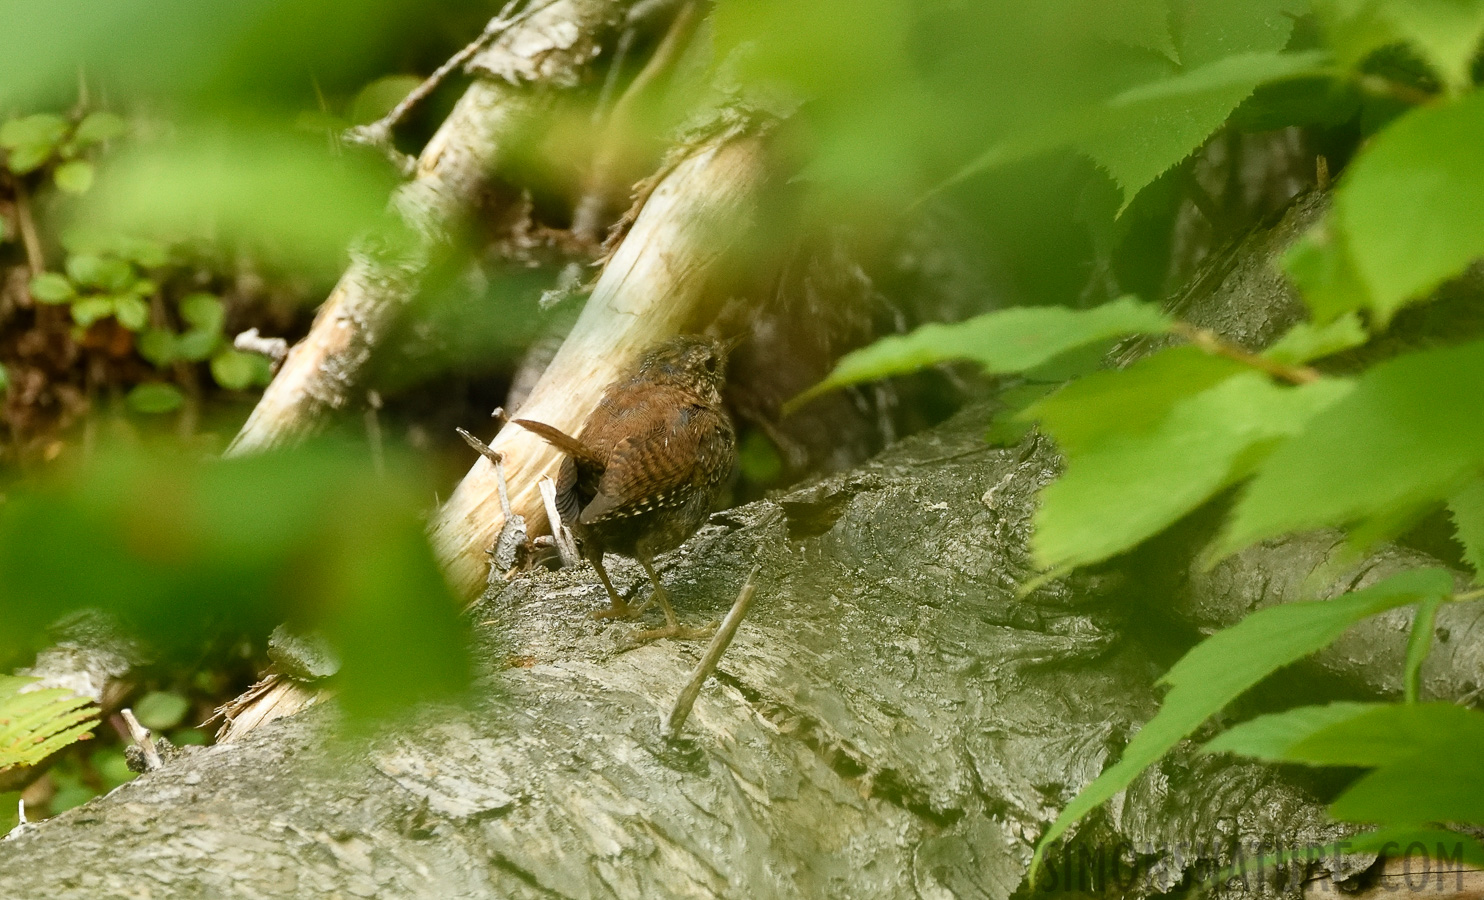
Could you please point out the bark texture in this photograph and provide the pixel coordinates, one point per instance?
(523, 69)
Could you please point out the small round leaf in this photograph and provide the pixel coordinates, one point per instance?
(233, 369)
(91, 309)
(98, 127)
(42, 129)
(74, 177)
(203, 311)
(158, 346)
(197, 345)
(132, 312)
(50, 287)
(155, 397)
(159, 710)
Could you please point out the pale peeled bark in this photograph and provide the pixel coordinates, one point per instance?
(549, 49)
(659, 282)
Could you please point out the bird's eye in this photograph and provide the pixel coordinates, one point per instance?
(710, 363)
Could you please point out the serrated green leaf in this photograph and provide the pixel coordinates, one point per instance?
(1446, 33)
(1127, 487)
(1137, 23)
(132, 312)
(203, 311)
(1407, 436)
(1306, 340)
(155, 397)
(233, 369)
(35, 724)
(159, 710)
(51, 287)
(92, 309)
(1009, 341)
(1127, 401)
(1149, 128)
(1467, 509)
(1224, 666)
(1419, 645)
(1321, 264)
(74, 177)
(44, 129)
(106, 273)
(157, 345)
(99, 127)
(1210, 30)
(1272, 737)
(1409, 204)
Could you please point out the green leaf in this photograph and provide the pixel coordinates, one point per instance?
(36, 724)
(92, 309)
(103, 272)
(197, 345)
(1409, 204)
(4, 380)
(1127, 487)
(50, 287)
(1272, 737)
(1228, 663)
(1390, 734)
(1445, 32)
(204, 312)
(157, 345)
(28, 158)
(74, 177)
(1127, 401)
(233, 369)
(132, 312)
(99, 127)
(1419, 645)
(159, 710)
(155, 397)
(1142, 131)
(1407, 436)
(1306, 340)
(1467, 508)
(43, 129)
(1210, 30)
(1009, 341)
(1164, 122)
(1321, 264)
(1395, 841)
(380, 96)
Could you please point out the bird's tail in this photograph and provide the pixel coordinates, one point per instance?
(561, 440)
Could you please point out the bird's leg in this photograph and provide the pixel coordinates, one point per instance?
(619, 608)
(673, 628)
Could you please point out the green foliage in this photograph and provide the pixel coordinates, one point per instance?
(161, 710)
(155, 397)
(1467, 508)
(1406, 437)
(1129, 485)
(174, 547)
(1446, 33)
(1015, 340)
(36, 724)
(1225, 665)
(1307, 341)
(1408, 207)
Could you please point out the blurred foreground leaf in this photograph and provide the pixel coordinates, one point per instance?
(1224, 666)
(180, 549)
(36, 724)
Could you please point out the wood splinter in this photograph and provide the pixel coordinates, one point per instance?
(143, 740)
(672, 724)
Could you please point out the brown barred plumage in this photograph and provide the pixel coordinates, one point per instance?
(641, 475)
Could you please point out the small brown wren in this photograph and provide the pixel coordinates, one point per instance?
(642, 473)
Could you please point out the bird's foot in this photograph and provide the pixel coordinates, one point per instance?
(618, 609)
(675, 632)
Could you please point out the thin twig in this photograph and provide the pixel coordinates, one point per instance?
(35, 259)
(276, 349)
(497, 459)
(675, 721)
(379, 133)
(566, 546)
(142, 740)
(1215, 344)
